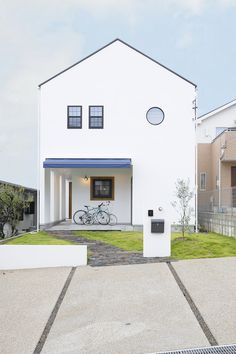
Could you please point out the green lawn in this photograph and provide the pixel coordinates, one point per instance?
(202, 245)
(128, 241)
(37, 238)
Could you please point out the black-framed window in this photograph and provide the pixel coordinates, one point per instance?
(74, 117)
(96, 117)
(30, 209)
(102, 188)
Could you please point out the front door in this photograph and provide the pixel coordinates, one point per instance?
(70, 200)
(233, 185)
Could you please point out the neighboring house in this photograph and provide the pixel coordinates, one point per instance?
(115, 126)
(216, 134)
(28, 220)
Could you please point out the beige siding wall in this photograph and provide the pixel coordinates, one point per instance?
(230, 146)
(214, 159)
(204, 164)
(209, 158)
(225, 147)
(215, 156)
(226, 194)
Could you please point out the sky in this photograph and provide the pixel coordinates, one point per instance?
(195, 38)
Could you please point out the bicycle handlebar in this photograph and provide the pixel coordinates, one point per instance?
(99, 205)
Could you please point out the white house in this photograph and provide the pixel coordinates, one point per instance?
(211, 124)
(115, 126)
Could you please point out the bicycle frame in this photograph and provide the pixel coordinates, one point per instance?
(92, 212)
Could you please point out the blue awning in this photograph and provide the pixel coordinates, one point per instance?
(86, 163)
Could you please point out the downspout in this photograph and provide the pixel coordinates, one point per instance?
(196, 162)
(38, 160)
(222, 151)
(219, 184)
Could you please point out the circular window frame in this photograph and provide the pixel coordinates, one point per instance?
(158, 109)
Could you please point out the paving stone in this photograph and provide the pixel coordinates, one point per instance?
(102, 254)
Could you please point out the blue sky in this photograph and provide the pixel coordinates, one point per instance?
(195, 38)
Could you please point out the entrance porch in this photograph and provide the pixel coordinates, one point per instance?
(68, 225)
(68, 185)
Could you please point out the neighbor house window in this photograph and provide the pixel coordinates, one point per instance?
(102, 188)
(74, 117)
(96, 117)
(202, 181)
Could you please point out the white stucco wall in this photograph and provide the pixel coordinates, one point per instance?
(127, 84)
(206, 128)
(120, 206)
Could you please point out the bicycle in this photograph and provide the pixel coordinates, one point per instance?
(91, 215)
(113, 217)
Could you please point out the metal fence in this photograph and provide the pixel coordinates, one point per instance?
(217, 211)
(218, 201)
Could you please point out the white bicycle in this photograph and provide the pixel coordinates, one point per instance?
(113, 217)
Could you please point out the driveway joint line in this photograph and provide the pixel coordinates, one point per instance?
(54, 312)
(206, 330)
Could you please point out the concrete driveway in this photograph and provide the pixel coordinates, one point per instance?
(118, 309)
(27, 298)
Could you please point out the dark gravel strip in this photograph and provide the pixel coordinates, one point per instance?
(103, 254)
(53, 315)
(206, 330)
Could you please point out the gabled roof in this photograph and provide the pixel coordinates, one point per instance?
(138, 51)
(217, 110)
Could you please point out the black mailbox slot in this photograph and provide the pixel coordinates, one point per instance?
(150, 212)
(157, 226)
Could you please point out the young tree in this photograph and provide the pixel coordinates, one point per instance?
(181, 204)
(13, 201)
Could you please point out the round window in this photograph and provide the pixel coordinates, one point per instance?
(155, 115)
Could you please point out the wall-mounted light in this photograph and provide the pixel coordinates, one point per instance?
(86, 178)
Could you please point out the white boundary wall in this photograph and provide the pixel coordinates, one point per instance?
(37, 256)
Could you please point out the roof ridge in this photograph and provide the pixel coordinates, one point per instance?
(108, 44)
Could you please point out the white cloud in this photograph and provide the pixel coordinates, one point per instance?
(194, 7)
(41, 37)
(227, 3)
(35, 47)
(185, 40)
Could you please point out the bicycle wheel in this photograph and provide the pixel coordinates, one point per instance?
(113, 220)
(103, 218)
(79, 217)
(88, 219)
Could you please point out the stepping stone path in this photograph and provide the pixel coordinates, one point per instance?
(102, 254)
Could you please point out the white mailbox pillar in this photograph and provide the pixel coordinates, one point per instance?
(156, 241)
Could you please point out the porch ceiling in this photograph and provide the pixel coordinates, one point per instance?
(87, 163)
